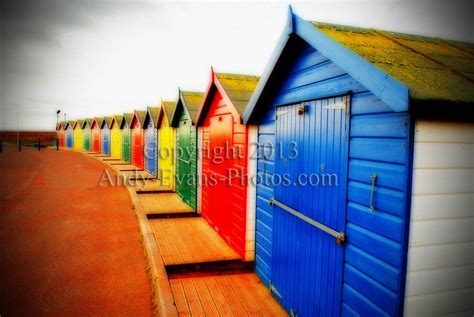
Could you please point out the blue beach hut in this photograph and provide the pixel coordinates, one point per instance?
(373, 130)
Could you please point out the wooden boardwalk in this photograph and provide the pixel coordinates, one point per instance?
(151, 186)
(136, 174)
(163, 203)
(127, 167)
(224, 295)
(190, 240)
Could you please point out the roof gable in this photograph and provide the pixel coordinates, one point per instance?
(106, 122)
(153, 114)
(79, 124)
(87, 123)
(237, 88)
(116, 120)
(99, 122)
(188, 101)
(167, 109)
(140, 116)
(126, 120)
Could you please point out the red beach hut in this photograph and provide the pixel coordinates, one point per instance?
(225, 140)
(138, 138)
(95, 133)
(62, 133)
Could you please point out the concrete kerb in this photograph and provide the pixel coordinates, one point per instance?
(163, 295)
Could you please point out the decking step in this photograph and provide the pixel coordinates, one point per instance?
(186, 242)
(225, 295)
(163, 203)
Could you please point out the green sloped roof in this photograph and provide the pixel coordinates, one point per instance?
(192, 101)
(127, 118)
(141, 115)
(118, 120)
(80, 123)
(239, 88)
(168, 108)
(108, 121)
(154, 113)
(99, 121)
(87, 121)
(431, 68)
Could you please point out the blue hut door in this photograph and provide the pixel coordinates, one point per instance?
(106, 141)
(69, 138)
(309, 206)
(151, 139)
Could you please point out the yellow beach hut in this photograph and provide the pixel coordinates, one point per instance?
(116, 137)
(166, 144)
(78, 135)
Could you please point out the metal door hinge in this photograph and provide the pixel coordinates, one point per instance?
(302, 110)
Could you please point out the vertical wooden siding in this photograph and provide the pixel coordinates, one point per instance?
(166, 153)
(186, 138)
(379, 143)
(126, 145)
(87, 139)
(116, 142)
(78, 139)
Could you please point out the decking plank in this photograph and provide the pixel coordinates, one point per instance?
(248, 302)
(206, 298)
(265, 294)
(192, 297)
(229, 294)
(218, 297)
(180, 298)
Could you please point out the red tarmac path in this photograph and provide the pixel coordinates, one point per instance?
(67, 246)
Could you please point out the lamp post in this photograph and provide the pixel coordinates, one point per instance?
(57, 136)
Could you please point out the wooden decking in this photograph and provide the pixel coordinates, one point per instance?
(136, 175)
(190, 240)
(155, 186)
(224, 295)
(163, 203)
(127, 167)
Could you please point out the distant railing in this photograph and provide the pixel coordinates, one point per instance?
(39, 144)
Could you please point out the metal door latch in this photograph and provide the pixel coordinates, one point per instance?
(372, 192)
(301, 110)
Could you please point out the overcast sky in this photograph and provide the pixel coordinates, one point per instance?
(95, 58)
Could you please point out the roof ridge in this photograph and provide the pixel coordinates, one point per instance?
(391, 38)
(236, 75)
(452, 44)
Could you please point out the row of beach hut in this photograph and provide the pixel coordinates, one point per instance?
(389, 114)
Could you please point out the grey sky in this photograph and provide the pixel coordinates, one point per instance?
(97, 57)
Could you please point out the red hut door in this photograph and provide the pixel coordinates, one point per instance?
(221, 161)
(137, 146)
(61, 138)
(95, 140)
